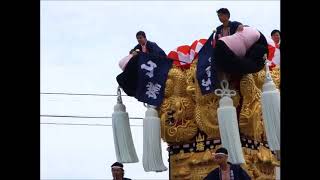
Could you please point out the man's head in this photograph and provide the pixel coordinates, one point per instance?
(223, 15)
(275, 35)
(141, 37)
(117, 170)
(221, 156)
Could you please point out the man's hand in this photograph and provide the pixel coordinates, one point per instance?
(240, 28)
(265, 57)
(134, 53)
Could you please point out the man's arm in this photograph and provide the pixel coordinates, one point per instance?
(240, 27)
(161, 51)
(157, 50)
(138, 46)
(218, 31)
(236, 23)
(133, 51)
(236, 26)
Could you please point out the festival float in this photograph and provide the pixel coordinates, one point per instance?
(241, 114)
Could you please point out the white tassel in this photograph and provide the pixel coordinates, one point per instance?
(152, 152)
(270, 99)
(125, 150)
(228, 124)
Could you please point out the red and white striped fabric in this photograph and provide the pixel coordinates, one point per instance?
(274, 53)
(184, 55)
(195, 48)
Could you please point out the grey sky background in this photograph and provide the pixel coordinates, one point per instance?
(81, 44)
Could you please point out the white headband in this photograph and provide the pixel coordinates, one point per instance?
(116, 167)
(221, 154)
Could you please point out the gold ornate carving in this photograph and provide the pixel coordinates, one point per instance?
(176, 112)
(205, 105)
(260, 164)
(200, 142)
(185, 112)
(251, 123)
(259, 77)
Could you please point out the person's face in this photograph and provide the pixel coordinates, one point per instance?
(141, 40)
(223, 17)
(220, 159)
(276, 37)
(117, 173)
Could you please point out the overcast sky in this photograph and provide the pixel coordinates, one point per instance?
(81, 44)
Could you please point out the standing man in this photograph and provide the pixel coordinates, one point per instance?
(146, 46)
(226, 170)
(118, 172)
(228, 27)
(143, 46)
(207, 52)
(274, 49)
(275, 35)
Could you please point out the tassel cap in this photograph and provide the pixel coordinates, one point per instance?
(269, 85)
(119, 107)
(225, 101)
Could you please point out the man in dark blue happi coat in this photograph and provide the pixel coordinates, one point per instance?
(147, 46)
(226, 170)
(145, 75)
(228, 27)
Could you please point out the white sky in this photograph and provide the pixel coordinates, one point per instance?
(81, 44)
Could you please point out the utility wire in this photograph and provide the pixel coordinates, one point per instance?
(79, 94)
(93, 117)
(83, 124)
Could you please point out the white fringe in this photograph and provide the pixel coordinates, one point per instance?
(228, 124)
(152, 152)
(125, 150)
(229, 131)
(270, 99)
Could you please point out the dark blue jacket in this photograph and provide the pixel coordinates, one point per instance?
(153, 48)
(238, 173)
(233, 28)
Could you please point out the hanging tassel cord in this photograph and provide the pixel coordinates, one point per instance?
(269, 80)
(152, 153)
(123, 142)
(119, 98)
(228, 122)
(225, 91)
(270, 109)
(268, 74)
